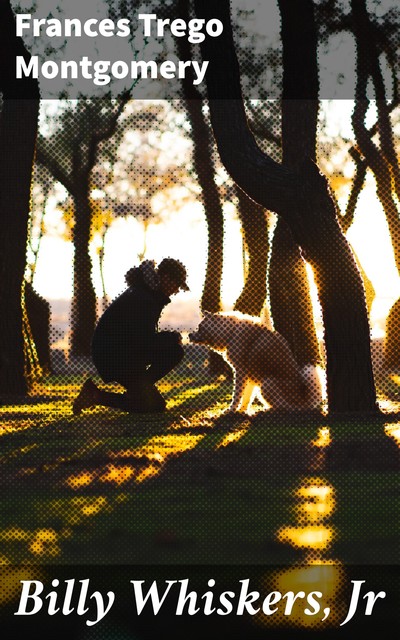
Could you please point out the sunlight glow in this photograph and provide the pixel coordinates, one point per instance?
(325, 577)
(235, 435)
(311, 537)
(324, 438)
(189, 393)
(118, 475)
(45, 543)
(80, 480)
(155, 452)
(393, 431)
(315, 503)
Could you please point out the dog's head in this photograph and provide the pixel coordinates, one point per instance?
(211, 331)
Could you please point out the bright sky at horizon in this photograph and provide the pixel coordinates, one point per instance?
(184, 235)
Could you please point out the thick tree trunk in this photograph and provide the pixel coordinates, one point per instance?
(303, 199)
(83, 310)
(18, 129)
(291, 305)
(350, 383)
(205, 170)
(202, 156)
(253, 219)
(38, 319)
(392, 338)
(289, 292)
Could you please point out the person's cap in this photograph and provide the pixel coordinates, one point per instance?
(175, 270)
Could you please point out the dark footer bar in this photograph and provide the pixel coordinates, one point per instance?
(212, 602)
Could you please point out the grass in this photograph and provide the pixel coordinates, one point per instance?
(190, 486)
(290, 502)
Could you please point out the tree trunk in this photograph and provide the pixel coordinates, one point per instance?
(291, 307)
(205, 170)
(38, 318)
(83, 310)
(255, 234)
(202, 156)
(302, 197)
(18, 129)
(392, 338)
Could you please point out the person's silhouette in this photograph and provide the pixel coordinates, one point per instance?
(128, 348)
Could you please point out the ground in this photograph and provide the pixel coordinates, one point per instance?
(193, 487)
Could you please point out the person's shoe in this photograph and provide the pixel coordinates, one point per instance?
(87, 397)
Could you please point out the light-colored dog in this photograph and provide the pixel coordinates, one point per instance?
(262, 362)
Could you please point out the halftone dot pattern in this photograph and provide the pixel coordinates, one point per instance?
(96, 472)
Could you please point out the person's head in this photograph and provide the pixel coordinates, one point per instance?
(172, 275)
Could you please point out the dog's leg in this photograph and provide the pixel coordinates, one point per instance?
(239, 385)
(248, 395)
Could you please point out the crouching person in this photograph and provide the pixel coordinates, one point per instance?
(127, 346)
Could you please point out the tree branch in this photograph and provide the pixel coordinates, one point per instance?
(254, 171)
(52, 165)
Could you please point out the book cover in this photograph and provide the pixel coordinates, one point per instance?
(199, 345)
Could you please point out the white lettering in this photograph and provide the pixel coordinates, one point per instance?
(225, 601)
(72, 27)
(87, 27)
(106, 28)
(24, 70)
(141, 68)
(23, 22)
(313, 602)
(147, 19)
(200, 71)
(185, 597)
(168, 69)
(246, 599)
(25, 596)
(214, 28)
(49, 69)
(195, 27)
(53, 28)
(152, 593)
(123, 28)
(270, 599)
(101, 609)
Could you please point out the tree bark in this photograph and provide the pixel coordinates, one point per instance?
(205, 170)
(253, 219)
(18, 130)
(291, 305)
(302, 197)
(38, 318)
(83, 310)
(202, 157)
